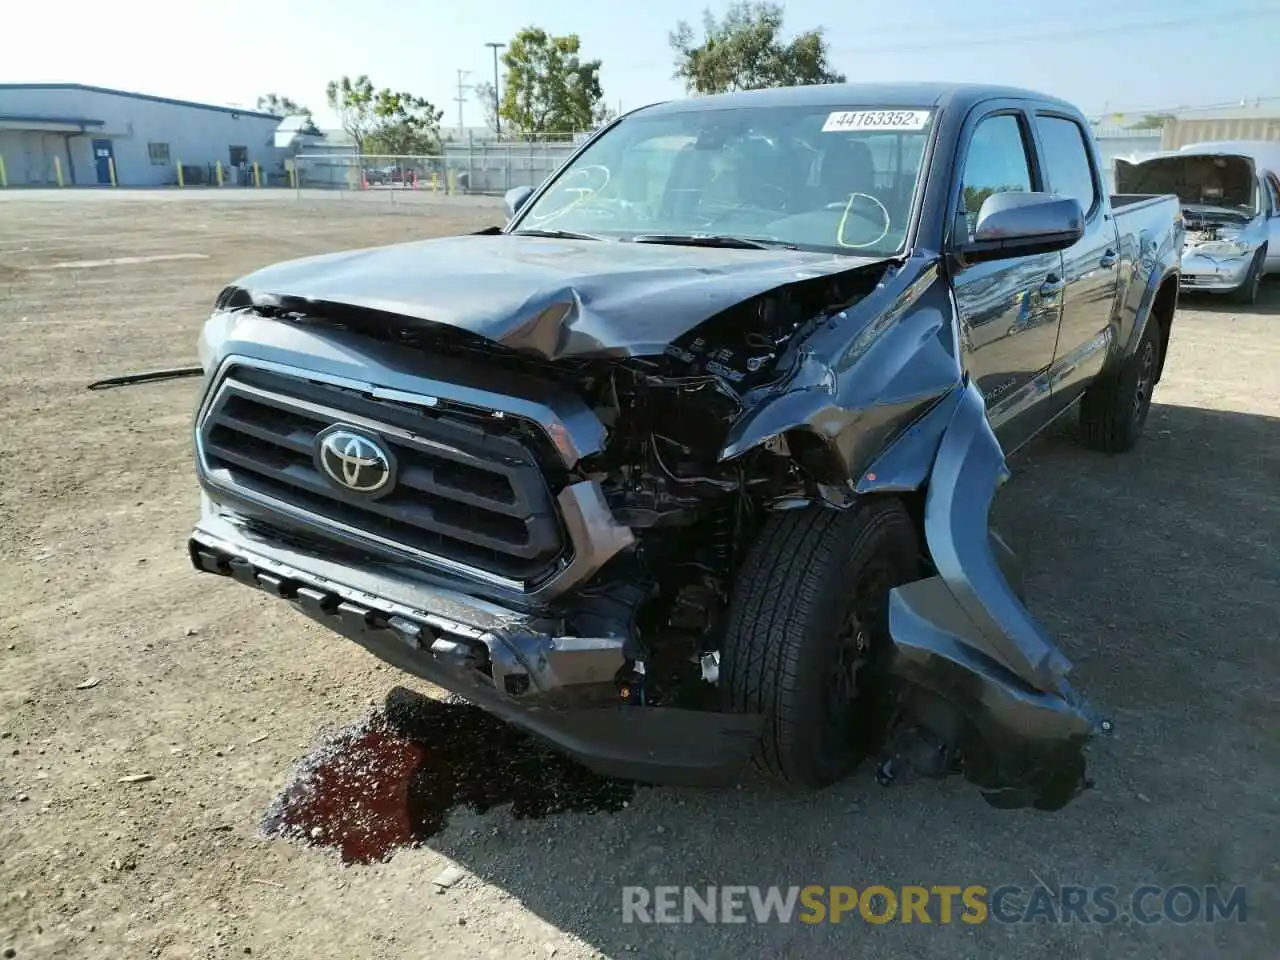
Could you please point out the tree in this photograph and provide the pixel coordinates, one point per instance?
(1154, 121)
(353, 102)
(384, 121)
(282, 106)
(405, 124)
(548, 88)
(744, 51)
(488, 98)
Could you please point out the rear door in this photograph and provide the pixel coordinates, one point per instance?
(1009, 309)
(1091, 267)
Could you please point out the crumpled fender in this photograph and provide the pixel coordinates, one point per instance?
(965, 636)
(969, 467)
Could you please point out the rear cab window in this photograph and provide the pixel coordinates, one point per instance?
(1068, 163)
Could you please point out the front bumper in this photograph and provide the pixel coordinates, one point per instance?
(1213, 276)
(515, 665)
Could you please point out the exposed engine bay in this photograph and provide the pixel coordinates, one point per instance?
(661, 469)
(1226, 182)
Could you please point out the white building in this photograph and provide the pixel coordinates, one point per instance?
(82, 132)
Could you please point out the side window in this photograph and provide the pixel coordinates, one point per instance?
(1066, 160)
(996, 163)
(1273, 188)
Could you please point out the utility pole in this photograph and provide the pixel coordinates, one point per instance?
(497, 101)
(461, 98)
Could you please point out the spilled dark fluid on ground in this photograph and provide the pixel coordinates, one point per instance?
(391, 780)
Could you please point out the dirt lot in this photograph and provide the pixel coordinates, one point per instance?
(1159, 571)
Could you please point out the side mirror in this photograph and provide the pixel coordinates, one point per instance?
(515, 198)
(1016, 224)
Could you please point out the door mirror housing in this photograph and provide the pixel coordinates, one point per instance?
(515, 198)
(1017, 224)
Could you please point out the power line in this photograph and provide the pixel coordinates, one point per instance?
(1054, 35)
(1040, 20)
(1220, 18)
(461, 99)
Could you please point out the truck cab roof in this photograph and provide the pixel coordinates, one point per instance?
(888, 95)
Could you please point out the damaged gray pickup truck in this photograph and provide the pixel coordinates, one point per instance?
(691, 461)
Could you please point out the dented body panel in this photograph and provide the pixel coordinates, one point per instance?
(526, 464)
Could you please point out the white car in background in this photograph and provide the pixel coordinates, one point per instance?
(1230, 193)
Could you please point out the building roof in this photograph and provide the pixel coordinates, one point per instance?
(88, 88)
(1258, 110)
(20, 118)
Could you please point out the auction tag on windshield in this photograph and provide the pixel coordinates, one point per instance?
(876, 120)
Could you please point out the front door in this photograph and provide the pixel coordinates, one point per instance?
(1009, 309)
(1091, 266)
(1271, 202)
(102, 158)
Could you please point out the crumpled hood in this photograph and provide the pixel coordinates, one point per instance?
(551, 297)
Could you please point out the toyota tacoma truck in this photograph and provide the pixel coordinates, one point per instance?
(690, 462)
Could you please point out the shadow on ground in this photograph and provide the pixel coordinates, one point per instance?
(1268, 301)
(1158, 573)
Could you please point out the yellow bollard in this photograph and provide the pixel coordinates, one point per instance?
(435, 183)
(453, 183)
(257, 175)
(111, 166)
(182, 181)
(4, 174)
(293, 173)
(57, 170)
(219, 173)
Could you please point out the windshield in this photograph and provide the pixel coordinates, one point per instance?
(841, 181)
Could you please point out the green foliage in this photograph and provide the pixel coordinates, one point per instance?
(282, 106)
(384, 121)
(488, 98)
(406, 124)
(1154, 121)
(548, 88)
(352, 101)
(745, 51)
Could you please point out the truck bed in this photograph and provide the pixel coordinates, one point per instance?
(1130, 201)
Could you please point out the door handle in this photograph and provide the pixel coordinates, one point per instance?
(1052, 284)
(1108, 260)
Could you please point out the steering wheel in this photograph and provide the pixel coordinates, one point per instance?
(581, 194)
(880, 217)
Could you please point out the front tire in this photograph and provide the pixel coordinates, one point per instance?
(1114, 411)
(1247, 292)
(808, 625)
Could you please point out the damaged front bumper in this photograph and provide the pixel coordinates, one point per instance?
(517, 666)
(1200, 272)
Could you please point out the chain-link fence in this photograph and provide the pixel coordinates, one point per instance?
(478, 168)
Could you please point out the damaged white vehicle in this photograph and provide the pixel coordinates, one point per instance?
(1230, 197)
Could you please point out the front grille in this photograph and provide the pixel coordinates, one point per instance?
(469, 486)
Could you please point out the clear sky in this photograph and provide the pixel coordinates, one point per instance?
(1133, 56)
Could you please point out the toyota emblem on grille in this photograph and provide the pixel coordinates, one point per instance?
(354, 461)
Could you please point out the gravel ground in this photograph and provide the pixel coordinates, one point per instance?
(1158, 571)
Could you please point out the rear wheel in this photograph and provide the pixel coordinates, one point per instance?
(809, 627)
(1113, 411)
